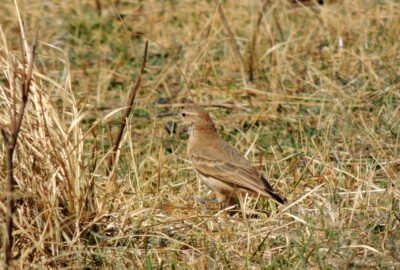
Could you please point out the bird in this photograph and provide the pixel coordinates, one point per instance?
(218, 165)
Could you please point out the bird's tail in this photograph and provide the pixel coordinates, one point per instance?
(271, 193)
(277, 197)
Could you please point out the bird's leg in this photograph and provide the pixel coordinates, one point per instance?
(228, 202)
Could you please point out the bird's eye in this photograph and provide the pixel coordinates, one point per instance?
(183, 115)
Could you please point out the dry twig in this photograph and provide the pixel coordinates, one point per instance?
(252, 47)
(11, 136)
(232, 42)
(99, 7)
(129, 105)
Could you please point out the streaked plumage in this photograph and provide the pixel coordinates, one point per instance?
(218, 164)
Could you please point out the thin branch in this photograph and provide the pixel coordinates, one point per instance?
(5, 136)
(98, 7)
(24, 93)
(129, 105)
(11, 137)
(9, 201)
(12, 82)
(232, 42)
(278, 25)
(209, 105)
(260, 245)
(252, 47)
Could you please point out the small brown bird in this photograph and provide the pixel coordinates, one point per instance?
(218, 164)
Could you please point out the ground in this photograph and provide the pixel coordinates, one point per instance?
(310, 96)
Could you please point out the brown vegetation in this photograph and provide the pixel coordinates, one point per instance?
(320, 116)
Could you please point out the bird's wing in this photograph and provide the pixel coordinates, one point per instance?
(229, 167)
(242, 176)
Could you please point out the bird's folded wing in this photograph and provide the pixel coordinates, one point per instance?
(239, 175)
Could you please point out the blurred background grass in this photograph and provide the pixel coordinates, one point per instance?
(322, 112)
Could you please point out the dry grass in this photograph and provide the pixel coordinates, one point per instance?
(321, 119)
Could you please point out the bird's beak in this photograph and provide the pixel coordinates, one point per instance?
(167, 114)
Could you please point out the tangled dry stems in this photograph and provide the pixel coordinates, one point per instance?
(322, 121)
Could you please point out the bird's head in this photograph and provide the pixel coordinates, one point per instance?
(197, 118)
